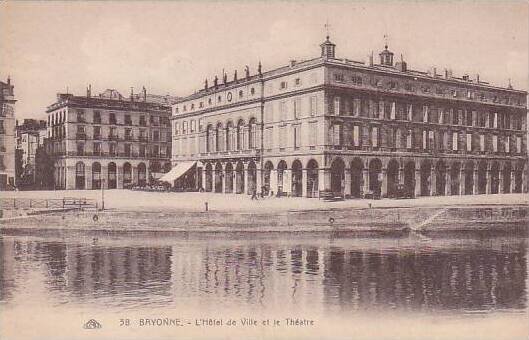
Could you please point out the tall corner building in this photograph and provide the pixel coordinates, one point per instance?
(352, 128)
(7, 135)
(108, 140)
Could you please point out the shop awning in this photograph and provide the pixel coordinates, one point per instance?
(178, 171)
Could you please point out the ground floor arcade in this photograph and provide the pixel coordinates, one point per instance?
(110, 174)
(356, 176)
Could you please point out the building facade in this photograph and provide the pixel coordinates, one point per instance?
(7, 135)
(353, 128)
(108, 140)
(30, 136)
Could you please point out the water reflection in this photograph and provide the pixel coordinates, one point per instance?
(322, 273)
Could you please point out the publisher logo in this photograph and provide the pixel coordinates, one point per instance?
(92, 324)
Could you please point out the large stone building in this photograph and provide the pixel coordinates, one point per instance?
(109, 140)
(7, 135)
(353, 128)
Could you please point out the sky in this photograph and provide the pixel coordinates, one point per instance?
(170, 47)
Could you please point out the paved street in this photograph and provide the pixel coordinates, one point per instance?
(192, 201)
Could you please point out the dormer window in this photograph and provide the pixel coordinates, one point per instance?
(219, 99)
(176, 110)
(192, 107)
(240, 94)
(338, 77)
(252, 91)
(392, 85)
(201, 105)
(209, 101)
(297, 81)
(283, 85)
(185, 108)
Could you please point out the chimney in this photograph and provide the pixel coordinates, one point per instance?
(477, 78)
(371, 59)
(144, 90)
(466, 77)
(292, 62)
(132, 94)
(448, 73)
(89, 91)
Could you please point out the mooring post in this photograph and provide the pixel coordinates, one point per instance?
(206, 204)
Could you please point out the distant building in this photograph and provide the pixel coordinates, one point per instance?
(342, 127)
(7, 135)
(109, 140)
(30, 136)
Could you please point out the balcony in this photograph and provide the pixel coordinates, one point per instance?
(128, 137)
(97, 137)
(128, 122)
(80, 135)
(113, 137)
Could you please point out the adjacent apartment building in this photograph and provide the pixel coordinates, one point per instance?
(30, 137)
(7, 135)
(352, 128)
(109, 140)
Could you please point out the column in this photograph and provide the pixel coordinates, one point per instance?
(258, 180)
(88, 176)
(273, 181)
(433, 182)
(488, 177)
(134, 170)
(304, 182)
(70, 177)
(324, 179)
(119, 176)
(384, 189)
(287, 182)
(500, 184)
(204, 178)
(365, 181)
(475, 181)
(347, 183)
(417, 182)
(226, 180)
(448, 182)
(462, 180)
(104, 176)
(246, 189)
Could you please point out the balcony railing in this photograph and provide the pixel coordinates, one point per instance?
(80, 135)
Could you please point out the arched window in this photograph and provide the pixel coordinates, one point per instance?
(252, 129)
(240, 135)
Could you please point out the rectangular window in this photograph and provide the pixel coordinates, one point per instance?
(297, 107)
(381, 110)
(193, 125)
(97, 132)
(495, 143)
(313, 126)
(128, 120)
(356, 107)
(431, 140)
(80, 116)
(337, 135)
(268, 138)
(142, 121)
(297, 135)
(374, 137)
(518, 144)
(313, 106)
(495, 121)
(409, 138)
(356, 135)
(482, 142)
(97, 117)
(336, 106)
(97, 149)
(142, 150)
(393, 114)
(282, 137)
(425, 114)
(282, 111)
(469, 141)
(424, 140)
(508, 144)
(454, 141)
(112, 118)
(410, 112)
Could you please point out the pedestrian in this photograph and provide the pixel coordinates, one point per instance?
(254, 194)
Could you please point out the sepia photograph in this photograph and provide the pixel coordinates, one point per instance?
(264, 170)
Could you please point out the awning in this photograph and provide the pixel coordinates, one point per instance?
(178, 171)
